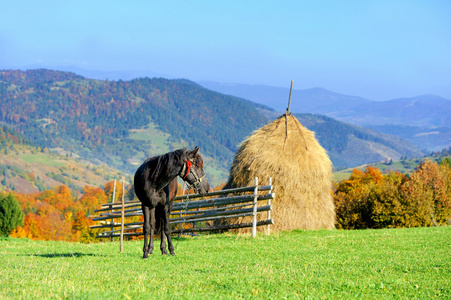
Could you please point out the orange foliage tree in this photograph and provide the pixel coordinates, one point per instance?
(354, 198)
(51, 215)
(371, 199)
(109, 191)
(428, 192)
(56, 214)
(93, 198)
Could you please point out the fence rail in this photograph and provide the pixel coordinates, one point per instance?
(185, 211)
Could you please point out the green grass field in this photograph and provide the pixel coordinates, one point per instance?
(41, 159)
(369, 264)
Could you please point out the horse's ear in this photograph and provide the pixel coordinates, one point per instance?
(192, 154)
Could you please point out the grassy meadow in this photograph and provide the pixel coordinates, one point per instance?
(369, 264)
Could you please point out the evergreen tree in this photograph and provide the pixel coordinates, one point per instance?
(11, 214)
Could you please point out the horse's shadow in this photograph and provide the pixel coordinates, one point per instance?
(74, 254)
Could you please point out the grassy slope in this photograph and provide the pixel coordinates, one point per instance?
(78, 172)
(370, 264)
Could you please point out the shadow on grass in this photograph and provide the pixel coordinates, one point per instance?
(75, 254)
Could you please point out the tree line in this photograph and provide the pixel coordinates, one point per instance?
(371, 199)
(57, 214)
(368, 199)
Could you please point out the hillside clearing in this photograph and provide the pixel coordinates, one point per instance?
(28, 171)
(370, 264)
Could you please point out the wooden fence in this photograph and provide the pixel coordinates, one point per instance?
(186, 210)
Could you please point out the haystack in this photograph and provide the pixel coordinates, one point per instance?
(301, 172)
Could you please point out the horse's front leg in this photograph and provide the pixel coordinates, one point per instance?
(152, 229)
(146, 229)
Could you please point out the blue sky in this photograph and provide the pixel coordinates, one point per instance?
(375, 49)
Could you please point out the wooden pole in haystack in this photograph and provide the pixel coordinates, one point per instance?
(286, 116)
(289, 99)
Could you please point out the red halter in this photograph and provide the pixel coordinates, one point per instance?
(188, 168)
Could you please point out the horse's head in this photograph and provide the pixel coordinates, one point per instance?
(193, 171)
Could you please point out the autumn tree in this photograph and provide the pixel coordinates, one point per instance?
(445, 170)
(61, 198)
(388, 204)
(109, 191)
(354, 198)
(81, 231)
(92, 199)
(370, 199)
(428, 194)
(27, 202)
(51, 217)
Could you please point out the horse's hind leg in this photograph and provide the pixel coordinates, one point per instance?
(148, 229)
(163, 240)
(167, 229)
(159, 215)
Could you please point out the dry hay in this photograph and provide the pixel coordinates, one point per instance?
(300, 169)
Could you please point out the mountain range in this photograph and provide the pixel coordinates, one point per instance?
(121, 123)
(423, 120)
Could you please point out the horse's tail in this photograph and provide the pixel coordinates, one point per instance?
(159, 215)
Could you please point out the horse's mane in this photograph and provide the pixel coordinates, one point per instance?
(160, 165)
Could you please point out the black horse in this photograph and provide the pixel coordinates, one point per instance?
(156, 186)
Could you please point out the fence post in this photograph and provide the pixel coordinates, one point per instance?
(122, 217)
(254, 220)
(112, 210)
(268, 229)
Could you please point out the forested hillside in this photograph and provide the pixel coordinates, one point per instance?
(432, 139)
(95, 118)
(121, 123)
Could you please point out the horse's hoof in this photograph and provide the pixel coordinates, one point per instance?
(172, 253)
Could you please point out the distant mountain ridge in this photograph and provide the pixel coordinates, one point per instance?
(423, 113)
(425, 110)
(120, 123)
(104, 75)
(314, 100)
